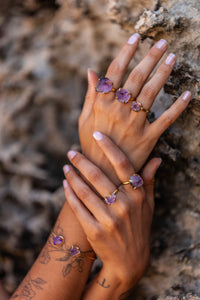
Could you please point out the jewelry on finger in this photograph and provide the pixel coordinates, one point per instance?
(110, 199)
(123, 96)
(135, 181)
(137, 106)
(105, 86)
(58, 240)
(75, 251)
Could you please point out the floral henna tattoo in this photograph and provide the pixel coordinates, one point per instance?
(73, 253)
(29, 289)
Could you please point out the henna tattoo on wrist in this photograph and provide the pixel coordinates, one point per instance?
(103, 284)
(29, 289)
(74, 262)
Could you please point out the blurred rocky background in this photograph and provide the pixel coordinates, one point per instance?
(46, 47)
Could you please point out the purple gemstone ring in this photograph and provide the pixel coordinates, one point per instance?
(58, 240)
(137, 106)
(75, 251)
(123, 96)
(105, 86)
(135, 181)
(110, 199)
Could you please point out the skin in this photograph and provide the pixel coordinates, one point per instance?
(136, 137)
(118, 233)
(130, 130)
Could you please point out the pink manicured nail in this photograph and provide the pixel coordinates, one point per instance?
(187, 96)
(161, 44)
(71, 154)
(133, 38)
(66, 168)
(65, 183)
(170, 59)
(97, 135)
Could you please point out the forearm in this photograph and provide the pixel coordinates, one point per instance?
(57, 274)
(108, 286)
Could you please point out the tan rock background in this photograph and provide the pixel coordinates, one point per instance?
(45, 50)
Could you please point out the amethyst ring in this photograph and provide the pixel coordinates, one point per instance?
(123, 96)
(58, 240)
(137, 106)
(135, 181)
(110, 199)
(75, 251)
(105, 86)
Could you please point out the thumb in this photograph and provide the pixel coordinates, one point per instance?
(148, 175)
(91, 92)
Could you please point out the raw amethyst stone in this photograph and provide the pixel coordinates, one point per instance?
(74, 250)
(110, 199)
(104, 85)
(135, 106)
(123, 95)
(58, 240)
(136, 181)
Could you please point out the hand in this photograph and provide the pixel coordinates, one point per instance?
(118, 233)
(128, 129)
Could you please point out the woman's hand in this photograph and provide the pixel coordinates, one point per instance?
(118, 233)
(128, 129)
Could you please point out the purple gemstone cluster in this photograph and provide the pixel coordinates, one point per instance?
(123, 95)
(74, 250)
(110, 199)
(104, 85)
(136, 181)
(135, 106)
(58, 240)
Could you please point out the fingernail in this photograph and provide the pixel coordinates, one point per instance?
(133, 38)
(170, 59)
(187, 96)
(66, 168)
(161, 44)
(97, 135)
(71, 154)
(88, 74)
(65, 183)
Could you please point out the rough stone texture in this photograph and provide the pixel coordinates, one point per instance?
(45, 49)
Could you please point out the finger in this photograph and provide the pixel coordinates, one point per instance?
(85, 193)
(170, 115)
(119, 65)
(148, 175)
(153, 87)
(142, 71)
(93, 174)
(81, 212)
(117, 158)
(91, 94)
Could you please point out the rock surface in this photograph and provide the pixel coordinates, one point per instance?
(45, 50)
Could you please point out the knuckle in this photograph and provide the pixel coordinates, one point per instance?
(167, 119)
(123, 163)
(115, 67)
(99, 106)
(154, 54)
(124, 210)
(94, 175)
(84, 192)
(111, 224)
(149, 91)
(95, 234)
(137, 76)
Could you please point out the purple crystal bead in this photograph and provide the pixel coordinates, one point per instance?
(110, 199)
(58, 240)
(136, 181)
(135, 106)
(104, 85)
(74, 250)
(123, 95)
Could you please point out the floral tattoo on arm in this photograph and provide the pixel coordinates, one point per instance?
(29, 289)
(73, 257)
